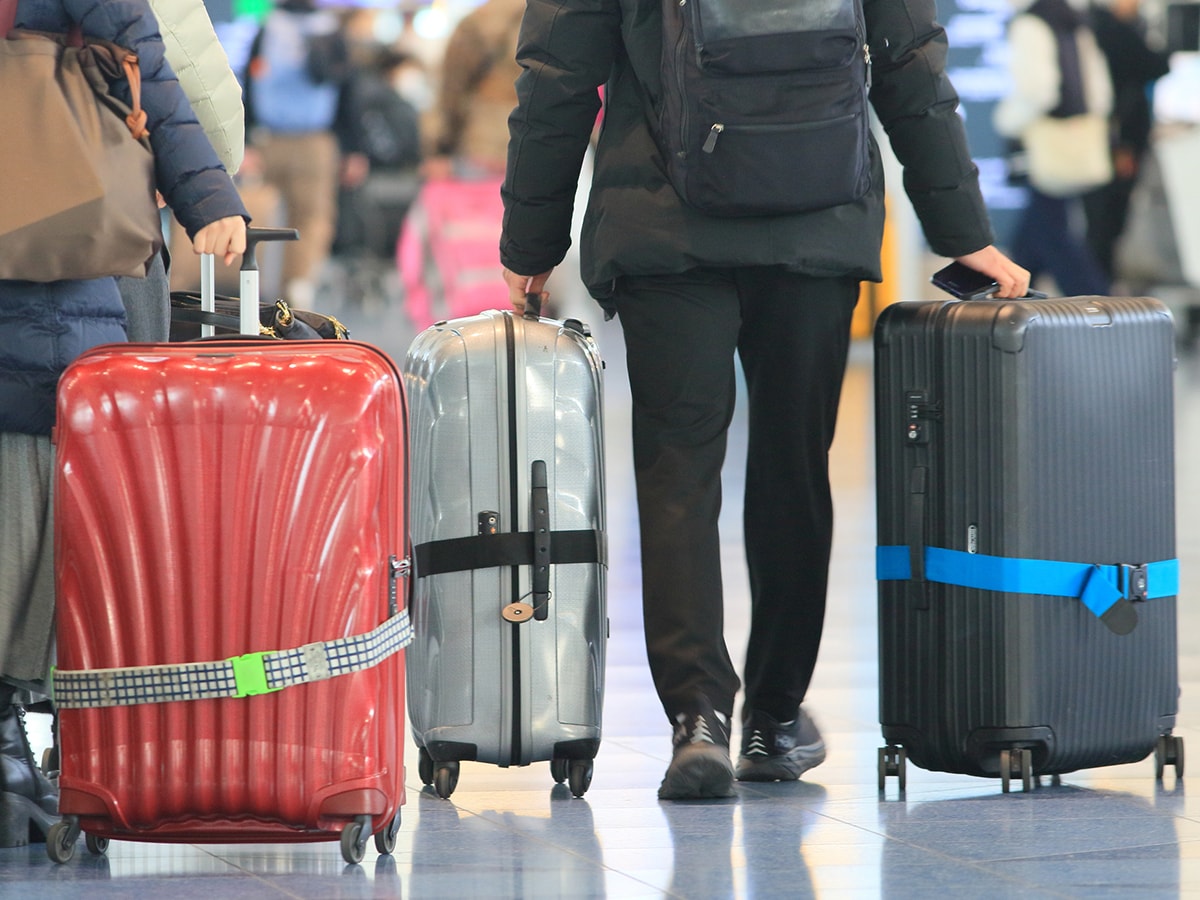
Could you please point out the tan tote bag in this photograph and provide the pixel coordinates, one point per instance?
(1068, 156)
(78, 176)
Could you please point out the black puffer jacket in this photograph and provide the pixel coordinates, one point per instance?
(635, 222)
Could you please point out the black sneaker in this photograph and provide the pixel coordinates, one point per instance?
(779, 751)
(700, 767)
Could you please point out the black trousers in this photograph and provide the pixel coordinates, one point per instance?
(792, 335)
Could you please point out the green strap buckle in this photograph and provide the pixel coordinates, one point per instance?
(250, 675)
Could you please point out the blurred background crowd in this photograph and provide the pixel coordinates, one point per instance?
(386, 149)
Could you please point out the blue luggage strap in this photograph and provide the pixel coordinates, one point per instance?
(239, 676)
(1098, 587)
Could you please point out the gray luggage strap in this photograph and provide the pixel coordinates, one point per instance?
(239, 676)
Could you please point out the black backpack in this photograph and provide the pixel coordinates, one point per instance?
(764, 104)
(386, 126)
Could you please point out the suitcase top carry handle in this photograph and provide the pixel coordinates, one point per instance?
(533, 305)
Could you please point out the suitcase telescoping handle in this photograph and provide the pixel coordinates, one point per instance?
(248, 310)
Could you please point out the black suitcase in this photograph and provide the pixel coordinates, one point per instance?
(1026, 529)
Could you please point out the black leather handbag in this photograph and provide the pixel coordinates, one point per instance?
(277, 320)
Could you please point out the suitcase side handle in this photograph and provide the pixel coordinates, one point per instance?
(539, 515)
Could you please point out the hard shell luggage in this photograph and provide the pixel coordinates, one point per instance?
(508, 531)
(1026, 528)
(230, 541)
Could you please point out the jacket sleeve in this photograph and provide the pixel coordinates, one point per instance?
(189, 174)
(566, 52)
(204, 73)
(918, 108)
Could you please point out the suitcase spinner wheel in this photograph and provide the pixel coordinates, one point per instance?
(445, 779)
(893, 760)
(1016, 762)
(60, 841)
(580, 777)
(1168, 751)
(577, 773)
(425, 766)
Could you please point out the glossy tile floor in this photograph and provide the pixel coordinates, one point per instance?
(511, 833)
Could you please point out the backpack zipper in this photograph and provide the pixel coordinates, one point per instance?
(719, 128)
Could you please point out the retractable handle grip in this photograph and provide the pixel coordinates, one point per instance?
(248, 320)
(256, 235)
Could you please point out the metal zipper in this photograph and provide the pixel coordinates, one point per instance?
(718, 129)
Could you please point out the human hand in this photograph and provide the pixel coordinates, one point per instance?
(520, 285)
(1013, 280)
(355, 169)
(225, 238)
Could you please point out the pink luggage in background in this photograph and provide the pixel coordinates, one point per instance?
(449, 251)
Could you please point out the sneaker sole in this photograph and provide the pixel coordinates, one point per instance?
(780, 768)
(699, 775)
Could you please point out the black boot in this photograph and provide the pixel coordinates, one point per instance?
(28, 802)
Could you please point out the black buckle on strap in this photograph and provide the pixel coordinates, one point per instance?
(1134, 581)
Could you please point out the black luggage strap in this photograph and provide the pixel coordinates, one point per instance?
(1107, 590)
(514, 548)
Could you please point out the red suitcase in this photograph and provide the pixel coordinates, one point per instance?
(238, 504)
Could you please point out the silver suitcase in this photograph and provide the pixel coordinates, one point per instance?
(508, 531)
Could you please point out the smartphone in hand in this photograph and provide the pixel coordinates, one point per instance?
(963, 282)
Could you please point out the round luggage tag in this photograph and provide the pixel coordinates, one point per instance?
(517, 612)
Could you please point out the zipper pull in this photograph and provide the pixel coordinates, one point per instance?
(711, 141)
(867, 60)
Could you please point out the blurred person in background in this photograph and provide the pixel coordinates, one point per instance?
(1133, 66)
(476, 93)
(379, 133)
(1056, 70)
(299, 62)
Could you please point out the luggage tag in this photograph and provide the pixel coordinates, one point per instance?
(517, 612)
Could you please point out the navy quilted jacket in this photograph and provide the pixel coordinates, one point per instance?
(45, 326)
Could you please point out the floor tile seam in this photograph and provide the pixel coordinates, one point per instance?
(1024, 885)
(237, 867)
(1086, 855)
(977, 865)
(532, 838)
(664, 757)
